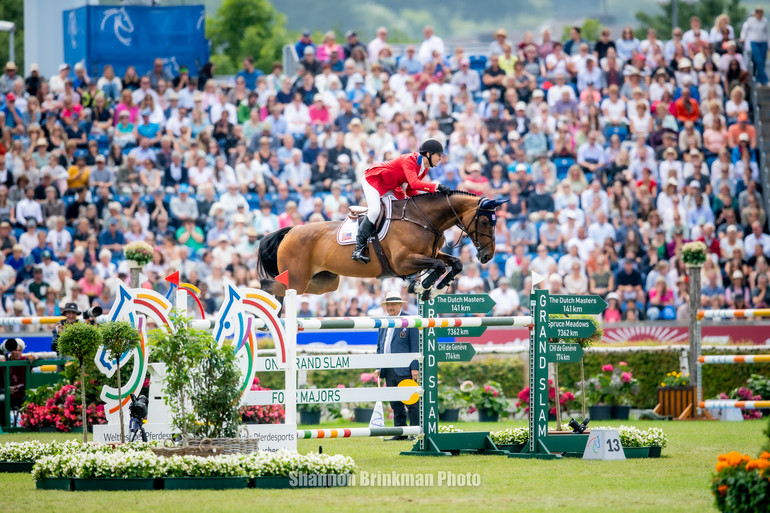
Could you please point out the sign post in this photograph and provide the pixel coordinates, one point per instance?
(542, 444)
(432, 442)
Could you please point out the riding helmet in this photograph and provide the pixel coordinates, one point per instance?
(432, 146)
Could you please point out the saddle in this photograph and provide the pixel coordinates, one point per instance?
(348, 230)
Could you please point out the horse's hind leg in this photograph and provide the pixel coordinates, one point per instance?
(323, 282)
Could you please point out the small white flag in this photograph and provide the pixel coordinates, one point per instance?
(378, 417)
(536, 278)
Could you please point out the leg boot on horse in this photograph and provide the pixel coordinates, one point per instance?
(365, 231)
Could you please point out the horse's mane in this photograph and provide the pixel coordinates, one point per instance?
(453, 193)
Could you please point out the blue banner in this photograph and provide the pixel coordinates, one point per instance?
(136, 36)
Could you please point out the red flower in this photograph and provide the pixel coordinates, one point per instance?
(608, 368)
(625, 377)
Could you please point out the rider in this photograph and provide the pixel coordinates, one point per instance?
(401, 177)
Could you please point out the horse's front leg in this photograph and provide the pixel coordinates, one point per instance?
(455, 267)
(436, 268)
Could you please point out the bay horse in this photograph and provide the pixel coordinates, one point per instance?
(315, 260)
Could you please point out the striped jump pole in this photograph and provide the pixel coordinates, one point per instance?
(372, 323)
(728, 403)
(306, 434)
(734, 314)
(734, 358)
(34, 321)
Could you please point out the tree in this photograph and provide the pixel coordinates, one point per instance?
(706, 10)
(119, 337)
(589, 31)
(80, 341)
(243, 28)
(13, 12)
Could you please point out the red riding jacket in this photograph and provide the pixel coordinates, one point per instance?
(402, 175)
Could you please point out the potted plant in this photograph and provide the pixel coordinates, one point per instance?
(675, 395)
(80, 341)
(601, 393)
(633, 441)
(490, 401)
(512, 439)
(118, 338)
(628, 386)
(656, 440)
(694, 254)
(450, 401)
(138, 254)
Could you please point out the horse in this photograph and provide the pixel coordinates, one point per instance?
(315, 260)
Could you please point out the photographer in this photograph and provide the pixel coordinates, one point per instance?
(12, 349)
(71, 313)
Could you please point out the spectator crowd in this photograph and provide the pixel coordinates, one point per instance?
(612, 153)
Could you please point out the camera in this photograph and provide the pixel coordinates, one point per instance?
(92, 313)
(138, 408)
(578, 428)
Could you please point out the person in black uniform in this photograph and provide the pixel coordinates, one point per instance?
(399, 340)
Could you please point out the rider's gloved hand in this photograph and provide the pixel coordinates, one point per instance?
(443, 189)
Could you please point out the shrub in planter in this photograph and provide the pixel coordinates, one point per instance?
(198, 371)
(80, 341)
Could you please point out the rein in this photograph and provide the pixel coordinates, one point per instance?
(428, 225)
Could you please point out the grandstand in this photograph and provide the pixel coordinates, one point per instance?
(613, 153)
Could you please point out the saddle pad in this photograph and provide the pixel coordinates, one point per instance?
(348, 230)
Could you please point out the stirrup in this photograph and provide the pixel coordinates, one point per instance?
(359, 256)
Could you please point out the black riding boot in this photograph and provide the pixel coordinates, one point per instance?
(365, 231)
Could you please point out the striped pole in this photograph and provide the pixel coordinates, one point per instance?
(734, 314)
(735, 358)
(728, 403)
(35, 321)
(330, 323)
(305, 434)
(372, 323)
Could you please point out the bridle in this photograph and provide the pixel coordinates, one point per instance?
(489, 213)
(471, 230)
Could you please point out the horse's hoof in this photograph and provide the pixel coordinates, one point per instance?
(434, 293)
(425, 296)
(412, 286)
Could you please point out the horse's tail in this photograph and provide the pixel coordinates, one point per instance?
(267, 255)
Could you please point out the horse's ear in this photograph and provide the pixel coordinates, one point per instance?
(488, 204)
(500, 202)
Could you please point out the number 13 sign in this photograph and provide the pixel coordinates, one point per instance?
(603, 444)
